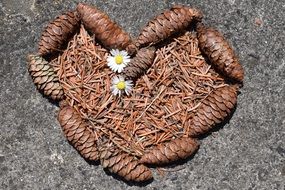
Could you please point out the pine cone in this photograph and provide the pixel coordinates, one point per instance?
(132, 48)
(110, 34)
(58, 32)
(218, 50)
(77, 132)
(171, 151)
(123, 164)
(214, 109)
(140, 63)
(168, 23)
(45, 77)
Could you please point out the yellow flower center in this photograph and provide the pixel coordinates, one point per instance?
(121, 85)
(118, 59)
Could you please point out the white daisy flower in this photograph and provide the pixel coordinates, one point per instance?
(119, 85)
(118, 60)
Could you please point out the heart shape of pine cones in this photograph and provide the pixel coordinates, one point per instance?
(183, 81)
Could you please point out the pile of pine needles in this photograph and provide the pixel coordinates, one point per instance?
(162, 101)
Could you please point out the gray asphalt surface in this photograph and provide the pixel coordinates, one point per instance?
(248, 153)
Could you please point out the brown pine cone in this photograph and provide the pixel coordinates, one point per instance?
(214, 109)
(168, 23)
(171, 151)
(140, 63)
(77, 132)
(44, 77)
(131, 48)
(110, 34)
(123, 164)
(220, 53)
(58, 32)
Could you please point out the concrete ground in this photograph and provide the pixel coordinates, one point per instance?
(248, 153)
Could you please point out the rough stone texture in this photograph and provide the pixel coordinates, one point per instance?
(248, 153)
